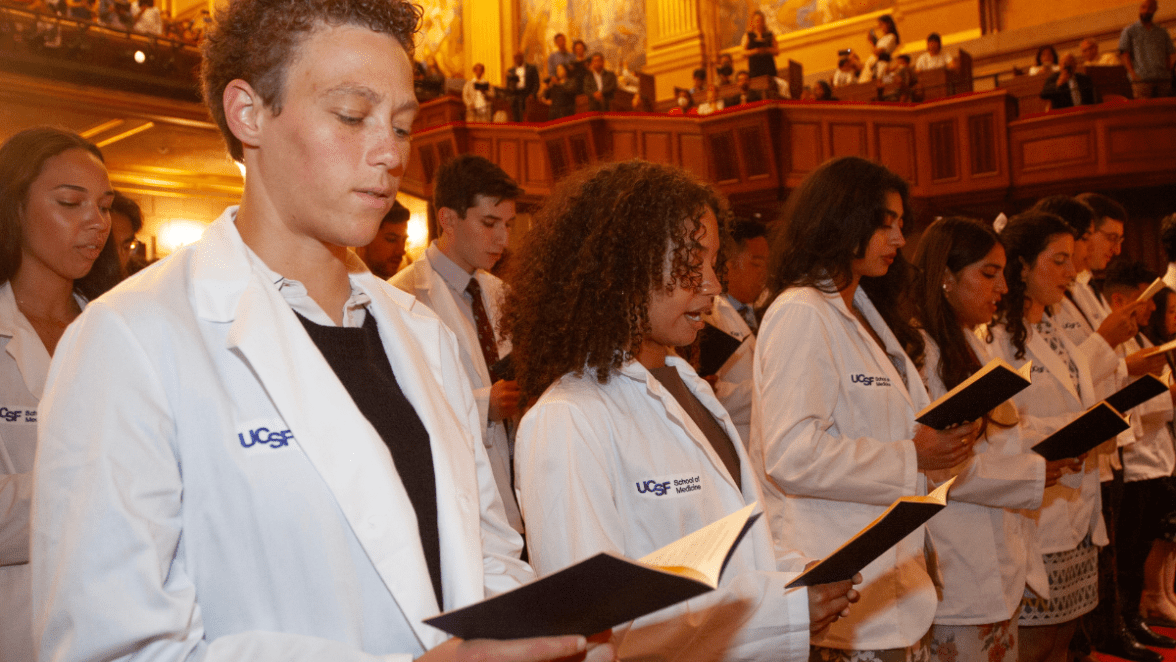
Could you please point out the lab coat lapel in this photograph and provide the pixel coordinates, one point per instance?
(344, 448)
(24, 345)
(440, 298)
(1048, 358)
(883, 330)
(676, 413)
(416, 373)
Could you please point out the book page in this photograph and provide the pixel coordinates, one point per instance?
(704, 551)
(1156, 286)
(1166, 347)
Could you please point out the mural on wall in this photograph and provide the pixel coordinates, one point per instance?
(441, 37)
(786, 16)
(616, 28)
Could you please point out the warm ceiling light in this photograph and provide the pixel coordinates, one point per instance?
(140, 57)
(177, 233)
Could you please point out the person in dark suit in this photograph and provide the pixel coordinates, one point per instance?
(522, 81)
(561, 92)
(746, 94)
(1067, 87)
(600, 84)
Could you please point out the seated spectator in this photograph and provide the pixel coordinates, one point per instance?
(713, 103)
(147, 18)
(476, 94)
(746, 94)
(1147, 51)
(628, 80)
(82, 10)
(684, 101)
(822, 91)
(385, 253)
(900, 79)
(934, 58)
(1046, 61)
(1090, 56)
(725, 69)
(849, 68)
(1069, 87)
(699, 82)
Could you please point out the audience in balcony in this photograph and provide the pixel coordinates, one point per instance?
(1147, 51)
(1069, 87)
(628, 80)
(476, 94)
(579, 68)
(935, 57)
(561, 92)
(1091, 57)
(849, 68)
(428, 80)
(147, 18)
(522, 81)
(821, 91)
(1046, 61)
(885, 40)
(746, 94)
(759, 44)
(713, 103)
(699, 85)
(600, 84)
(560, 56)
(899, 81)
(725, 69)
(683, 103)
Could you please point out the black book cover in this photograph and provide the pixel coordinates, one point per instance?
(715, 346)
(1136, 393)
(976, 396)
(1099, 423)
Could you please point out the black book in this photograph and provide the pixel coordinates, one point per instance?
(715, 346)
(976, 396)
(900, 519)
(482, 87)
(1136, 393)
(1100, 423)
(605, 590)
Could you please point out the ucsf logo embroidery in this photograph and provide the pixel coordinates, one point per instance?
(18, 414)
(256, 436)
(669, 487)
(869, 380)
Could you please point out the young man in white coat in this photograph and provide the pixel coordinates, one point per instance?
(475, 203)
(212, 482)
(734, 314)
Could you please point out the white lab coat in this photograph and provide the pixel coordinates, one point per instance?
(23, 367)
(421, 280)
(583, 452)
(1152, 455)
(831, 437)
(1071, 509)
(161, 531)
(986, 546)
(734, 385)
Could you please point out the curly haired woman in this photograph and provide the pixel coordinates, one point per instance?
(619, 268)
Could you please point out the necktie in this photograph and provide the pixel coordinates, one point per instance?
(748, 316)
(482, 324)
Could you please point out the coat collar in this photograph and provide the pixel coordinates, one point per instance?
(862, 301)
(637, 372)
(338, 440)
(24, 345)
(1049, 359)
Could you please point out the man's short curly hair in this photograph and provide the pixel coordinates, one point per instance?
(579, 295)
(256, 40)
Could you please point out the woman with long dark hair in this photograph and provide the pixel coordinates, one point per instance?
(986, 545)
(1158, 604)
(832, 428)
(760, 46)
(55, 201)
(621, 264)
(1038, 270)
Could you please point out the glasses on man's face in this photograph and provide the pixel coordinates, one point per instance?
(1115, 239)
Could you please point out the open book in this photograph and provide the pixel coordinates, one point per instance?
(977, 395)
(1156, 286)
(900, 519)
(1098, 424)
(1159, 349)
(606, 590)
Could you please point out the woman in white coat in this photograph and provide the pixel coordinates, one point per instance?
(1069, 524)
(617, 413)
(832, 431)
(986, 544)
(54, 219)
